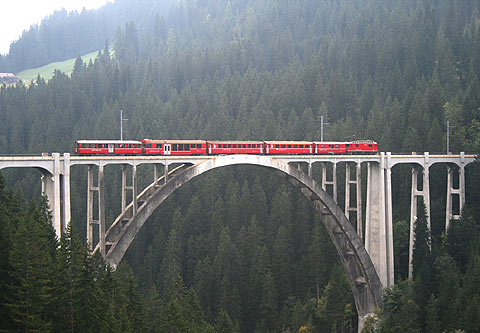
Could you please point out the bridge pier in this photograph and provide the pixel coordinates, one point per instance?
(379, 220)
(132, 187)
(56, 187)
(455, 192)
(358, 195)
(100, 220)
(332, 182)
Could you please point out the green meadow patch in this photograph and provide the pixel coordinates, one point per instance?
(46, 72)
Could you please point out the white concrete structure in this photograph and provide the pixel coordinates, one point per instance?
(369, 265)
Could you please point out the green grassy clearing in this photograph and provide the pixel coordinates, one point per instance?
(46, 72)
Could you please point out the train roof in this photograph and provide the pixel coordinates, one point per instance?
(235, 142)
(108, 141)
(332, 142)
(174, 141)
(289, 142)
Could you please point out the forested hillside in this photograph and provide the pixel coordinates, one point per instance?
(248, 245)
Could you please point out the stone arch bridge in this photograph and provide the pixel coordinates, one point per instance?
(367, 256)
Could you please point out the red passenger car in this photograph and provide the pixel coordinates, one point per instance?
(174, 147)
(235, 147)
(362, 147)
(288, 147)
(328, 147)
(105, 147)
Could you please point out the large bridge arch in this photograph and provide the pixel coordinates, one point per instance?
(363, 278)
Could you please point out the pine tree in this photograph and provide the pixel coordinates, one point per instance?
(422, 263)
(78, 297)
(31, 259)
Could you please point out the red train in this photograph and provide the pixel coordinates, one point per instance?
(202, 147)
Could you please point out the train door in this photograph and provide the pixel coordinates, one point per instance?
(167, 149)
(110, 148)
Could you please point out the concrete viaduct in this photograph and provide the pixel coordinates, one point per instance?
(368, 260)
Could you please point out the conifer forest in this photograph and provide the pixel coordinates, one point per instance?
(238, 249)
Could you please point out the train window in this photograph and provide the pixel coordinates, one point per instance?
(356, 145)
(174, 147)
(300, 146)
(249, 146)
(159, 145)
(229, 145)
(187, 146)
(180, 147)
(282, 146)
(337, 146)
(244, 146)
(348, 145)
(289, 146)
(369, 145)
(83, 145)
(88, 145)
(149, 146)
(276, 146)
(117, 146)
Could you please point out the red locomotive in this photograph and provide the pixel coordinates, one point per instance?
(202, 147)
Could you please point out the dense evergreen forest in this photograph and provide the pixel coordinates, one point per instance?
(238, 249)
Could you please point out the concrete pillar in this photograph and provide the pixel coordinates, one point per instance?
(347, 191)
(134, 189)
(310, 170)
(359, 201)
(324, 177)
(56, 204)
(426, 187)
(358, 195)
(52, 189)
(378, 233)
(124, 188)
(100, 221)
(452, 191)
(67, 215)
(90, 222)
(375, 233)
(101, 210)
(389, 220)
(332, 182)
(165, 170)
